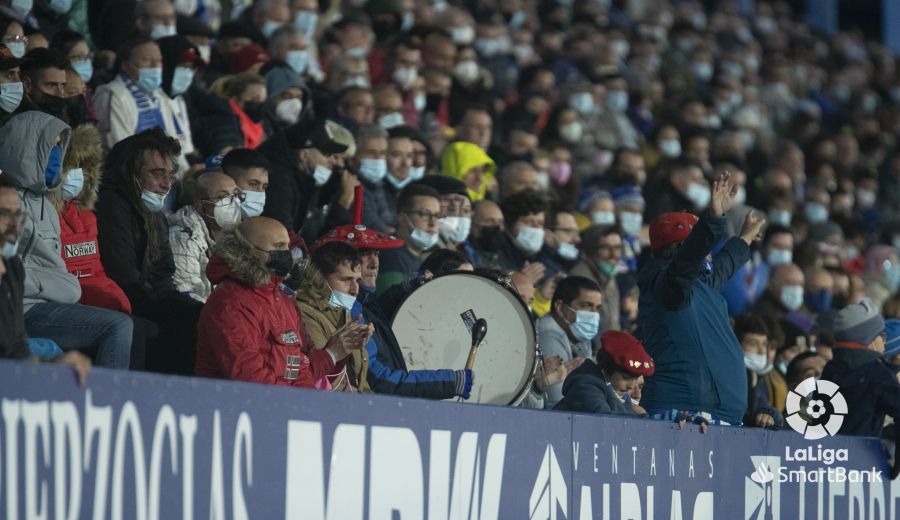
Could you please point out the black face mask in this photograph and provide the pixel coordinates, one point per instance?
(254, 111)
(489, 239)
(53, 105)
(76, 106)
(280, 262)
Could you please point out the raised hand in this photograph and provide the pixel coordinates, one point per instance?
(555, 371)
(352, 336)
(534, 271)
(723, 193)
(751, 230)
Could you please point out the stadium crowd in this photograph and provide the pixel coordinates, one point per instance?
(699, 206)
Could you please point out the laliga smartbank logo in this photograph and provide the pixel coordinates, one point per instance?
(815, 408)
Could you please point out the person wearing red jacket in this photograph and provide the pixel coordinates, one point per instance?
(78, 225)
(250, 329)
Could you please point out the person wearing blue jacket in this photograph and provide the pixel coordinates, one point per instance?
(683, 316)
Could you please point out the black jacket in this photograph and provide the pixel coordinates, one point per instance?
(586, 390)
(214, 126)
(511, 257)
(293, 197)
(869, 386)
(13, 341)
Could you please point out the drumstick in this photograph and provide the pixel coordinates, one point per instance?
(479, 330)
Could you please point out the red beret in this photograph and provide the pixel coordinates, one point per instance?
(670, 228)
(247, 57)
(627, 352)
(360, 237)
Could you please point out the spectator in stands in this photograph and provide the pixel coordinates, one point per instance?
(418, 216)
(682, 314)
(469, 163)
(370, 165)
(784, 293)
(134, 243)
(44, 78)
(456, 210)
(486, 236)
(134, 101)
(249, 329)
(574, 321)
(444, 261)
(561, 241)
(752, 333)
(290, 46)
(302, 161)
(745, 288)
(155, 19)
(601, 251)
(523, 239)
(194, 230)
(518, 176)
(629, 214)
(325, 300)
(232, 115)
(605, 387)
(250, 171)
(290, 100)
(13, 338)
(804, 365)
(476, 126)
(34, 145)
(181, 61)
(12, 90)
(355, 106)
(684, 189)
(400, 154)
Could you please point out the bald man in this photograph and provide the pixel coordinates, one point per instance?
(784, 293)
(485, 237)
(250, 330)
(518, 176)
(194, 229)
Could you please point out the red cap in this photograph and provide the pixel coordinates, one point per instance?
(627, 352)
(191, 57)
(358, 235)
(671, 228)
(247, 57)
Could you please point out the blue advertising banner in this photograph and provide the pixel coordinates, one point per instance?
(142, 446)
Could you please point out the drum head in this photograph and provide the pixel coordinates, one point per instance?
(433, 328)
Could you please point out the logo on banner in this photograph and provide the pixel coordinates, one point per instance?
(550, 489)
(762, 491)
(815, 409)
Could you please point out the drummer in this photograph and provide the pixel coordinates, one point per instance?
(387, 372)
(605, 386)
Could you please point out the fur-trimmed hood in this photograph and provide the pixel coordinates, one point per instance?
(234, 257)
(85, 152)
(314, 291)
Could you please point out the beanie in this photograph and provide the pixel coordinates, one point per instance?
(858, 323)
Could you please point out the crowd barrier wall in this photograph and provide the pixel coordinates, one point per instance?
(143, 446)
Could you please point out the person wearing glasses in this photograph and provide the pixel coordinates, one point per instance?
(134, 244)
(418, 218)
(195, 229)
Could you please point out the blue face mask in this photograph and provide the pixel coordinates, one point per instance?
(815, 212)
(150, 79)
(792, 297)
(892, 274)
(54, 166)
(298, 60)
(153, 201)
(373, 170)
(586, 326)
(819, 301)
(341, 300)
(779, 256)
(9, 249)
(254, 202)
(74, 184)
(84, 68)
(181, 80)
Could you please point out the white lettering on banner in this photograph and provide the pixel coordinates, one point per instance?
(630, 502)
(12, 411)
(187, 425)
(243, 444)
(66, 455)
(395, 458)
(216, 482)
(165, 427)
(586, 509)
(129, 421)
(575, 447)
(550, 489)
(467, 482)
(98, 419)
(35, 418)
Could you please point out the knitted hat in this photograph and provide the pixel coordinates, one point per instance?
(279, 79)
(858, 323)
(626, 194)
(892, 343)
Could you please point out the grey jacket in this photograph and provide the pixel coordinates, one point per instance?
(27, 141)
(555, 342)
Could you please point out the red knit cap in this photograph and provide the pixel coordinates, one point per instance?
(627, 352)
(247, 57)
(670, 228)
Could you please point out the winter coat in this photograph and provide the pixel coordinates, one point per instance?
(609, 289)
(379, 211)
(215, 127)
(555, 341)
(78, 224)
(293, 197)
(586, 390)
(387, 368)
(122, 224)
(684, 322)
(13, 340)
(191, 245)
(460, 157)
(512, 258)
(250, 330)
(870, 387)
(322, 321)
(27, 141)
(117, 111)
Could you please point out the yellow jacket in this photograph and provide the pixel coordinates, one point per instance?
(460, 157)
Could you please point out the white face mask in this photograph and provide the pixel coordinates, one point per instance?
(298, 60)
(321, 174)
(567, 251)
(755, 362)
(466, 71)
(372, 170)
(670, 148)
(205, 52)
(390, 120)
(631, 223)
(422, 239)
(404, 77)
(16, 48)
(603, 217)
(698, 194)
(455, 229)
(288, 110)
(74, 183)
(791, 297)
(161, 31)
(254, 202)
(182, 78)
(11, 96)
(22, 7)
(305, 22)
(227, 212)
(530, 239)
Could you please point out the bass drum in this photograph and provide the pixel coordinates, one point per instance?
(433, 326)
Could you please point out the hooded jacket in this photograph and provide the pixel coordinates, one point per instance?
(684, 322)
(322, 320)
(78, 224)
(123, 239)
(250, 330)
(460, 157)
(191, 245)
(586, 390)
(869, 386)
(27, 141)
